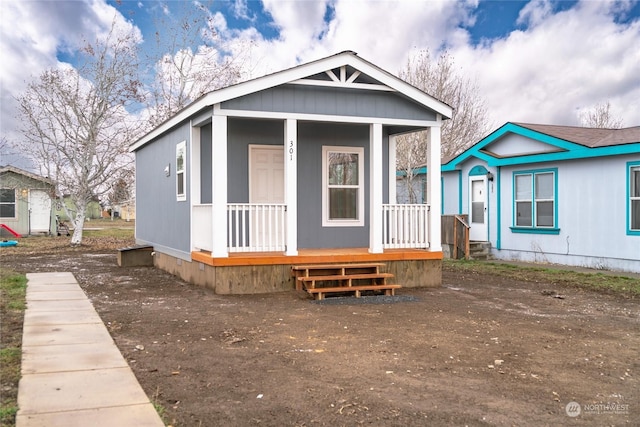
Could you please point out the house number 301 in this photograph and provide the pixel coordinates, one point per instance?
(290, 150)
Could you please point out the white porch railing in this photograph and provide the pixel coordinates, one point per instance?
(256, 227)
(202, 233)
(405, 226)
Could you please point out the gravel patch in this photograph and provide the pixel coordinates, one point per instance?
(374, 299)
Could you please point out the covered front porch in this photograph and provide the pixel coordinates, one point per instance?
(228, 217)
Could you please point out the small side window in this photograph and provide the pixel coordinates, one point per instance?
(181, 159)
(7, 203)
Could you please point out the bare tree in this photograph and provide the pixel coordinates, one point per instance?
(75, 123)
(191, 59)
(600, 116)
(469, 123)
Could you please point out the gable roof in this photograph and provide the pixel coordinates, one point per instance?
(319, 73)
(560, 143)
(589, 137)
(6, 169)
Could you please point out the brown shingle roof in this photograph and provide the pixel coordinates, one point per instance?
(589, 137)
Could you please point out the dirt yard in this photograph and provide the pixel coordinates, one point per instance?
(481, 350)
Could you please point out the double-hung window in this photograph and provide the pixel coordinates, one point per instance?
(633, 203)
(343, 186)
(7, 203)
(181, 159)
(535, 201)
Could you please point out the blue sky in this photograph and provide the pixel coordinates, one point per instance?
(536, 61)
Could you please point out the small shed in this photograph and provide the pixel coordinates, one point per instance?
(25, 203)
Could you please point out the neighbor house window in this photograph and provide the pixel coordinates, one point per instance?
(535, 205)
(181, 158)
(343, 186)
(634, 198)
(7, 203)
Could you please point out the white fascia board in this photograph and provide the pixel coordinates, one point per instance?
(294, 74)
(326, 118)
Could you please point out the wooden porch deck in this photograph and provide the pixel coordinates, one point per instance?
(314, 256)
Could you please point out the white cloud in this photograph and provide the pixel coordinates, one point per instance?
(556, 65)
(565, 63)
(33, 33)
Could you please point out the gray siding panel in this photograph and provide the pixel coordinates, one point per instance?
(331, 101)
(206, 170)
(311, 138)
(161, 219)
(242, 133)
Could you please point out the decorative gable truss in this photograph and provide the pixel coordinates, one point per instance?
(343, 77)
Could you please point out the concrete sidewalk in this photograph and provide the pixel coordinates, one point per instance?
(72, 372)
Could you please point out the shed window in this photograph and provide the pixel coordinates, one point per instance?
(7, 203)
(181, 159)
(535, 199)
(343, 178)
(634, 198)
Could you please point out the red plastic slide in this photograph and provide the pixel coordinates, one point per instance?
(10, 230)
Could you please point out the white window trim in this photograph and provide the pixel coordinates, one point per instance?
(326, 222)
(14, 203)
(181, 173)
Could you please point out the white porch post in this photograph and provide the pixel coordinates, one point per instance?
(375, 190)
(434, 189)
(194, 182)
(392, 169)
(219, 187)
(291, 184)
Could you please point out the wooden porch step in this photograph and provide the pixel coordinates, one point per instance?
(320, 292)
(336, 266)
(353, 277)
(344, 277)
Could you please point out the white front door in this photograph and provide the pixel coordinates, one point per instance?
(39, 211)
(478, 208)
(266, 185)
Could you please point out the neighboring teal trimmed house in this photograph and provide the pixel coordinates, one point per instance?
(552, 194)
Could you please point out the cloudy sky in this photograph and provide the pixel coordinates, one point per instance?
(538, 61)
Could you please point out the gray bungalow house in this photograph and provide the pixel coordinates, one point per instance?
(25, 203)
(296, 167)
(551, 194)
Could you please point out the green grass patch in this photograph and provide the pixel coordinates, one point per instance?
(13, 288)
(597, 281)
(118, 233)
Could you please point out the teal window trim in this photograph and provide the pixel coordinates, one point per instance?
(531, 230)
(534, 229)
(498, 209)
(631, 166)
(460, 192)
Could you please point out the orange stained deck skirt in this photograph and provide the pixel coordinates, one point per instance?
(314, 256)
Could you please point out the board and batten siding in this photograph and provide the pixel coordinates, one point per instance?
(163, 221)
(241, 134)
(301, 99)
